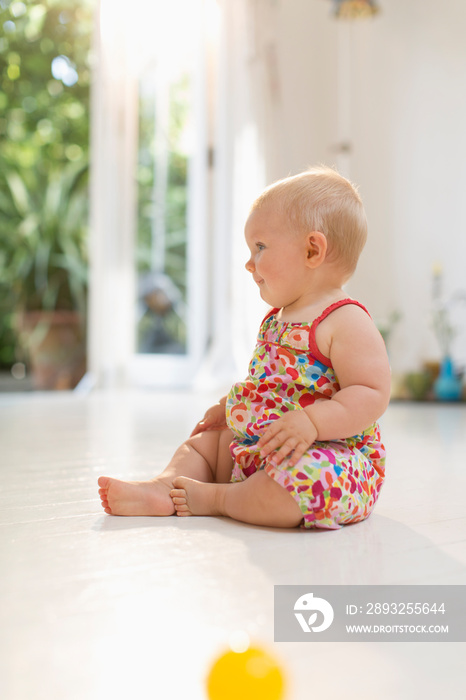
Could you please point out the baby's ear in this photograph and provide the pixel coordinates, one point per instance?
(316, 248)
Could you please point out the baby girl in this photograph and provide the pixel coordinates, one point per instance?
(297, 442)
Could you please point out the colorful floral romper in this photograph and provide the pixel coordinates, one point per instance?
(336, 482)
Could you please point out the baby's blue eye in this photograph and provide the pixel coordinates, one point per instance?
(260, 246)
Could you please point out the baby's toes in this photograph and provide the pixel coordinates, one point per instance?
(178, 496)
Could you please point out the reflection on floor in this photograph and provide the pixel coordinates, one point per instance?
(97, 607)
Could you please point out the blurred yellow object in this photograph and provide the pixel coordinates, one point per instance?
(252, 674)
(355, 9)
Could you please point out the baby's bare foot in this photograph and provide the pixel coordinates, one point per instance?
(191, 497)
(135, 497)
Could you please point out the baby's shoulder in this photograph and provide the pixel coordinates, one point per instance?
(343, 313)
(349, 322)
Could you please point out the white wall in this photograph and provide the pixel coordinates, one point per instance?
(407, 123)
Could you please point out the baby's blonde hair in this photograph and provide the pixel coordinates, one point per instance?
(320, 199)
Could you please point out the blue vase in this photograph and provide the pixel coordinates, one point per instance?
(447, 386)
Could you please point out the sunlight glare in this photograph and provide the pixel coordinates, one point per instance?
(151, 31)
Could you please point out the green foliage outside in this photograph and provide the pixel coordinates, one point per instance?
(44, 149)
(176, 200)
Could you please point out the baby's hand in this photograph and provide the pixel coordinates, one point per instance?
(292, 434)
(214, 419)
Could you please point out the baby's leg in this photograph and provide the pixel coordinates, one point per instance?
(258, 500)
(205, 457)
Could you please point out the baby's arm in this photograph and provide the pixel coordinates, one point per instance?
(357, 352)
(359, 358)
(214, 418)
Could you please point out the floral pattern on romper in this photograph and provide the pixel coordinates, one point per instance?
(335, 483)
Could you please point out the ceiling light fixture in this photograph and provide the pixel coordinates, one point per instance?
(355, 9)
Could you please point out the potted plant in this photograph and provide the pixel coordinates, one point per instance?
(43, 268)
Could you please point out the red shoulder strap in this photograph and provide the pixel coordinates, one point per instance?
(312, 335)
(269, 314)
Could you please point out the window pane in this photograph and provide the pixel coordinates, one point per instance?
(163, 155)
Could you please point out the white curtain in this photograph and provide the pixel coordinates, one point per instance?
(112, 199)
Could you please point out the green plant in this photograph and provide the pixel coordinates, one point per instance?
(43, 262)
(44, 126)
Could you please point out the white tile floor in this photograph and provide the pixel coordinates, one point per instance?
(96, 607)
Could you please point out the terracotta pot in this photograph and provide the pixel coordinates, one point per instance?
(56, 346)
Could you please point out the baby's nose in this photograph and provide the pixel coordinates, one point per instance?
(249, 266)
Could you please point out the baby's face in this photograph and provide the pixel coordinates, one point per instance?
(278, 256)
